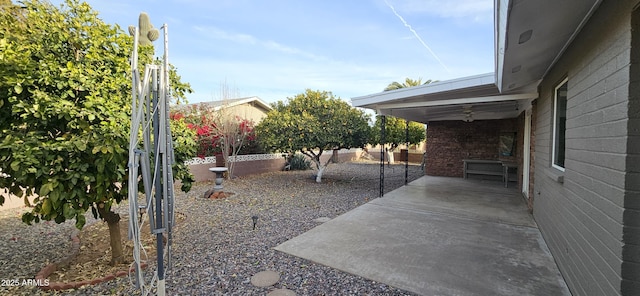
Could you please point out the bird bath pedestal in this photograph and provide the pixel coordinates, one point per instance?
(219, 171)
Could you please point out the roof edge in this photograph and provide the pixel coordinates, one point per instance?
(487, 79)
(256, 99)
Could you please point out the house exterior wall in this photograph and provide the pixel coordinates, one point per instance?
(581, 211)
(247, 111)
(532, 154)
(449, 142)
(631, 216)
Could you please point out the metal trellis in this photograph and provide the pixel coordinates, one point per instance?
(150, 110)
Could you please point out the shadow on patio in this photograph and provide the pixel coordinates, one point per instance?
(439, 236)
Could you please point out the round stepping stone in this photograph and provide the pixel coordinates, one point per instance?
(281, 292)
(322, 219)
(265, 278)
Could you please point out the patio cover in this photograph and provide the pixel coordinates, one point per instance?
(449, 100)
(530, 36)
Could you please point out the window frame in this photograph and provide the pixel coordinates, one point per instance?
(555, 127)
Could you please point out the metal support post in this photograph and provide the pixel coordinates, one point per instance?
(383, 123)
(406, 160)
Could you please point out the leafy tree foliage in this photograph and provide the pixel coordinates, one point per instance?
(65, 113)
(408, 82)
(395, 132)
(313, 122)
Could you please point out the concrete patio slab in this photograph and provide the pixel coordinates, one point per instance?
(477, 199)
(439, 236)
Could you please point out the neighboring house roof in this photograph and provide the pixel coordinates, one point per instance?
(530, 36)
(251, 108)
(217, 105)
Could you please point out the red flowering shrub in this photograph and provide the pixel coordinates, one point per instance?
(212, 130)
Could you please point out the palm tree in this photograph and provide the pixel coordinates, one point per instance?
(407, 83)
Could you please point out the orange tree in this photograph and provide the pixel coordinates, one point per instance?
(311, 123)
(395, 132)
(65, 89)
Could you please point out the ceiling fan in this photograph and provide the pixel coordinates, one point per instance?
(467, 113)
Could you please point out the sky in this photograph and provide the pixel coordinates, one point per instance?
(276, 49)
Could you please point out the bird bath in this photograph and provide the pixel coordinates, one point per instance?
(219, 171)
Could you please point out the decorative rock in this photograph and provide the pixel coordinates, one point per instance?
(222, 194)
(265, 278)
(322, 219)
(215, 194)
(282, 292)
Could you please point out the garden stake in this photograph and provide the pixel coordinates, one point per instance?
(255, 220)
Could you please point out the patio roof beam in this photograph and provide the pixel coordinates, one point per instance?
(488, 99)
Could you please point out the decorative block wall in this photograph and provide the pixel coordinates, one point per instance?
(414, 157)
(258, 163)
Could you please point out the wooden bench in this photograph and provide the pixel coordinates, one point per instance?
(483, 167)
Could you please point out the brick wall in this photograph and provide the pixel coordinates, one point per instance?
(631, 216)
(449, 142)
(581, 210)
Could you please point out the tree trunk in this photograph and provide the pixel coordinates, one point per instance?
(115, 239)
(390, 158)
(319, 175)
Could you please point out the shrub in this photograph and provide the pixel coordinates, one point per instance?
(299, 162)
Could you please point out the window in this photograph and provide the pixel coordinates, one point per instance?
(559, 125)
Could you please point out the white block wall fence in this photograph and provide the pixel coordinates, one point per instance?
(258, 163)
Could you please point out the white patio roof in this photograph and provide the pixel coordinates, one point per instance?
(530, 36)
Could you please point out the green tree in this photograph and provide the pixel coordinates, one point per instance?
(65, 87)
(313, 122)
(395, 132)
(408, 82)
(395, 127)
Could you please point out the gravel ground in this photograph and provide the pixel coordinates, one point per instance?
(215, 250)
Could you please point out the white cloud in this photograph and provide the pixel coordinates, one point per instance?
(272, 45)
(286, 79)
(216, 33)
(277, 49)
